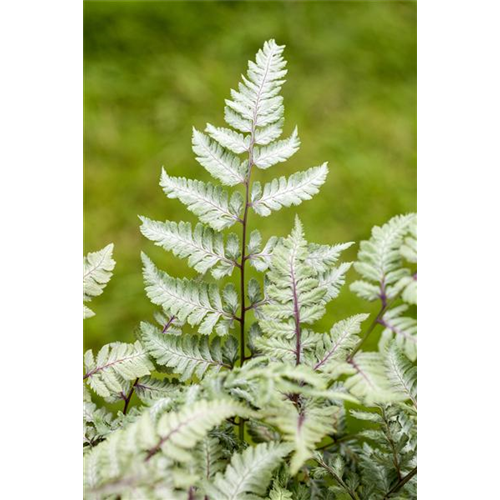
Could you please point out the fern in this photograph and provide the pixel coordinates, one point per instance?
(203, 247)
(203, 412)
(198, 303)
(186, 355)
(304, 428)
(114, 364)
(380, 260)
(285, 192)
(181, 431)
(248, 473)
(97, 271)
(208, 202)
(335, 346)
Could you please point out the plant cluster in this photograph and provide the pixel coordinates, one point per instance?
(240, 397)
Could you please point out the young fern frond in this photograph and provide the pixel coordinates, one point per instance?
(248, 474)
(97, 271)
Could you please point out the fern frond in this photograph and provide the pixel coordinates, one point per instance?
(229, 139)
(257, 103)
(279, 493)
(149, 389)
(198, 303)
(187, 355)
(335, 345)
(409, 248)
(282, 347)
(259, 258)
(400, 329)
(323, 257)
(304, 427)
(333, 280)
(249, 473)
(211, 204)
(293, 291)
(209, 456)
(266, 135)
(401, 373)
(369, 379)
(379, 259)
(285, 192)
(219, 162)
(115, 363)
(182, 430)
(277, 152)
(97, 271)
(203, 247)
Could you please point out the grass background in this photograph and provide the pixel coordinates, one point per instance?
(155, 69)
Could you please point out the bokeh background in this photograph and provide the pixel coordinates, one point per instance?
(155, 69)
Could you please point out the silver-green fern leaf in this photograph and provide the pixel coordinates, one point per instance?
(236, 393)
(97, 271)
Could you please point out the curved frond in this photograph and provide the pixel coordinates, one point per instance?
(293, 290)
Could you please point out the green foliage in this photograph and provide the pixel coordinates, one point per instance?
(97, 271)
(380, 262)
(186, 355)
(253, 418)
(248, 473)
(115, 363)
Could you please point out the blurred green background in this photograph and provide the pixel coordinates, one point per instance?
(155, 69)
